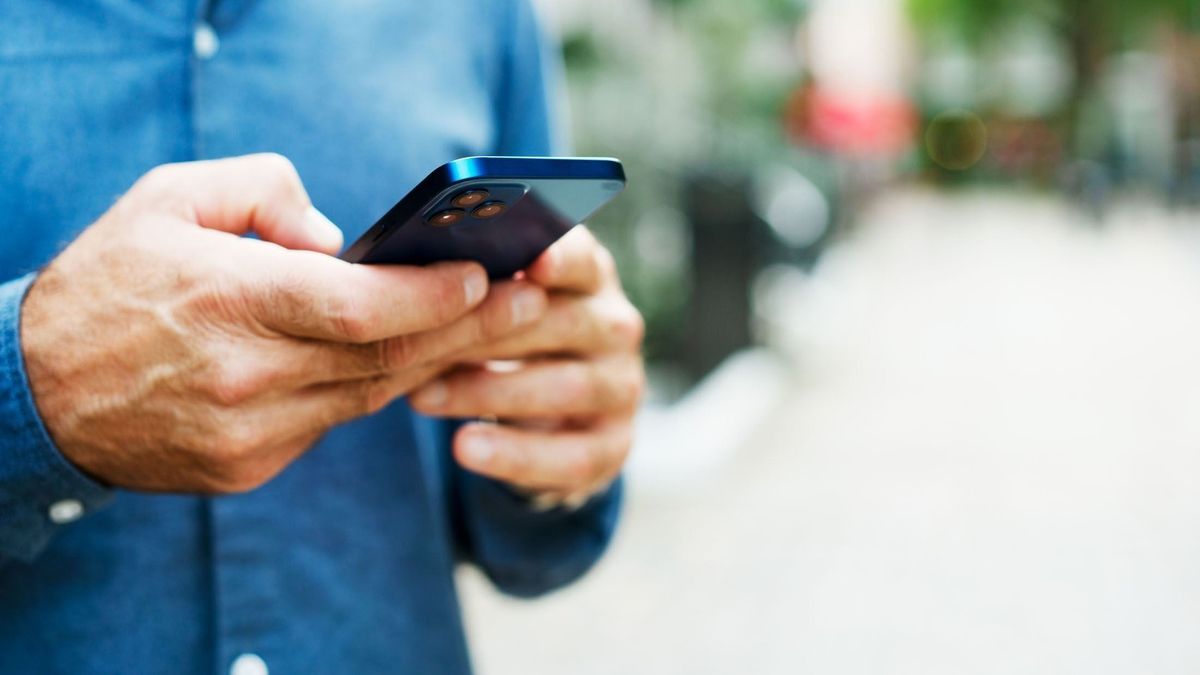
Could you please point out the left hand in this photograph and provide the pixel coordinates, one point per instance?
(566, 399)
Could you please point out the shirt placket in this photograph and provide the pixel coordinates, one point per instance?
(245, 589)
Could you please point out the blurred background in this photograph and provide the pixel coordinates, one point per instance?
(922, 281)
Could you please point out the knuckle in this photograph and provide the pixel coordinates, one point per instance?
(576, 322)
(390, 354)
(213, 303)
(636, 390)
(236, 444)
(350, 319)
(606, 265)
(352, 326)
(401, 353)
(284, 295)
(230, 385)
(623, 387)
(628, 326)
(279, 167)
(156, 178)
(579, 384)
(280, 180)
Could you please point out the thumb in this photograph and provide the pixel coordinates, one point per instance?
(260, 194)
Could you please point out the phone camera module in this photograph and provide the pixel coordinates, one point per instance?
(447, 217)
(489, 210)
(470, 198)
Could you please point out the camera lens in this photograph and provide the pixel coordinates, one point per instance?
(470, 198)
(447, 217)
(489, 210)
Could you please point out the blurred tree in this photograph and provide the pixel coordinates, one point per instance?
(1092, 28)
(1090, 31)
(1113, 22)
(677, 89)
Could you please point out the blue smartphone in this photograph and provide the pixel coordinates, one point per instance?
(501, 212)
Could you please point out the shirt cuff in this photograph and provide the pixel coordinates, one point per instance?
(526, 551)
(40, 490)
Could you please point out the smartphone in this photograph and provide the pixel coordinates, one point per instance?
(501, 212)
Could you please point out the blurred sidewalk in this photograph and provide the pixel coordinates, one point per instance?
(987, 461)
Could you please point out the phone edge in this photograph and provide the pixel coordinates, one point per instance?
(451, 173)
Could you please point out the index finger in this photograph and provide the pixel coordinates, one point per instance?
(259, 193)
(312, 295)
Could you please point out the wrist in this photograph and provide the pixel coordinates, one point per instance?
(37, 350)
(40, 489)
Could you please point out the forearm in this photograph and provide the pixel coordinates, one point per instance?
(40, 491)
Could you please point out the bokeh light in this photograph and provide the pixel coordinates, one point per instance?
(956, 139)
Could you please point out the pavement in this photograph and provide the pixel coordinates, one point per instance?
(980, 453)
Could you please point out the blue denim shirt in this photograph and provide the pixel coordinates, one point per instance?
(344, 563)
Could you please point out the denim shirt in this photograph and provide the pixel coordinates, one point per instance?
(344, 563)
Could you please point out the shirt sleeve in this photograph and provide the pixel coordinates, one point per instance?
(40, 491)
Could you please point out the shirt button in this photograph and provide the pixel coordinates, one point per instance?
(249, 664)
(205, 42)
(65, 511)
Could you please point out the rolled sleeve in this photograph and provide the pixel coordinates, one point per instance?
(40, 491)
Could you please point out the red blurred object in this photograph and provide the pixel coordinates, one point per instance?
(1025, 147)
(881, 126)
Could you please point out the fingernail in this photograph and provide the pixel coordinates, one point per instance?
(324, 233)
(478, 449)
(474, 286)
(526, 306)
(433, 395)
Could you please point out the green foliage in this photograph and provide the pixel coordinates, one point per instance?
(969, 18)
(581, 53)
(1115, 21)
(783, 10)
(728, 100)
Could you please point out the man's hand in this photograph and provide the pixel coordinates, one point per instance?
(166, 352)
(567, 406)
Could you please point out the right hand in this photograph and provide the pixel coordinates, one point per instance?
(166, 352)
